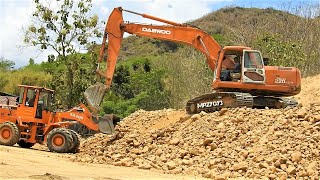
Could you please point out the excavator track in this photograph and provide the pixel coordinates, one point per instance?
(215, 101)
(274, 102)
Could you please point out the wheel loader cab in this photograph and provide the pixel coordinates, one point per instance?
(35, 103)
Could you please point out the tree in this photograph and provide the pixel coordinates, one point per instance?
(5, 64)
(31, 61)
(65, 29)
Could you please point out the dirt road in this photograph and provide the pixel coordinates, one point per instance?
(37, 163)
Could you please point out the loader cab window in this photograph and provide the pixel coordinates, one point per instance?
(31, 97)
(252, 59)
(45, 101)
(21, 95)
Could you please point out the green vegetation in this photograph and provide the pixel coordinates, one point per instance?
(153, 74)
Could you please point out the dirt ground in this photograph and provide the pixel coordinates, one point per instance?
(37, 163)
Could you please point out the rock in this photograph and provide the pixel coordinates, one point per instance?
(186, 162)
(202, 113)
(316, 118)
(223, 111)
(207, 141)
(221, 126)
(171, 165)
(135, 151)
(302, 113)
(283, 167)
(145, 149)
(158, 152)
(263, 165)
(272, 176)
(311, 168)
(195, 117)
(213, 146)
(244, 153)
(210, 174)
(291, 170)
(240, 166)
(174, 141)
(117, 157)
(136, 143)
(145, 166)
(296, 157)
(194, 152)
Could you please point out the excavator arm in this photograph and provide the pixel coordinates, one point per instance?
(174, 32)
(171, 31)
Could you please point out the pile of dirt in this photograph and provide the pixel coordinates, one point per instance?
(310, 92)
(231, 143)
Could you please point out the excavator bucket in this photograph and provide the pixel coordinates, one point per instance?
(94, 95)
(106, 125)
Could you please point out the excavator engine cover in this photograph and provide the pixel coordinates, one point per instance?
(94, 95)
(106, 125)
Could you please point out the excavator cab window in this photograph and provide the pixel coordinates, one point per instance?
(231, 66)
(252, 59)
(253, 71)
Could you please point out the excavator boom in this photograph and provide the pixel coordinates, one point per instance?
(172, 31)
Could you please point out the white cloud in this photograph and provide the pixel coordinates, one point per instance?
(15, 15)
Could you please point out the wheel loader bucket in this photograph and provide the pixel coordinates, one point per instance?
(106, 125)
(94, 95)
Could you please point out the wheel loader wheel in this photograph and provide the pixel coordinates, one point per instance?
(75, 143)
(25, 144)
(9, 134)
(59, 140)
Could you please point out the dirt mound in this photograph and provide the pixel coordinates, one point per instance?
(227, 144)
(231, 143)
(310, 92)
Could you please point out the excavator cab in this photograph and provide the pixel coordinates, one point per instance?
(246, 66)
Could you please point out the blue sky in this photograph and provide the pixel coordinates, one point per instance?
(15, 15)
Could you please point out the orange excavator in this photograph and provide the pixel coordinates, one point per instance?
(241, 75)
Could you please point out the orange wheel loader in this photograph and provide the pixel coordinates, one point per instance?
(30, 120)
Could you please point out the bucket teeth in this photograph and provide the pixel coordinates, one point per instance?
(94, 95)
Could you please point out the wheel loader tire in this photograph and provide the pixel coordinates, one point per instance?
(25, 144)
(59, 140)
(75, 143)
(9, 134)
